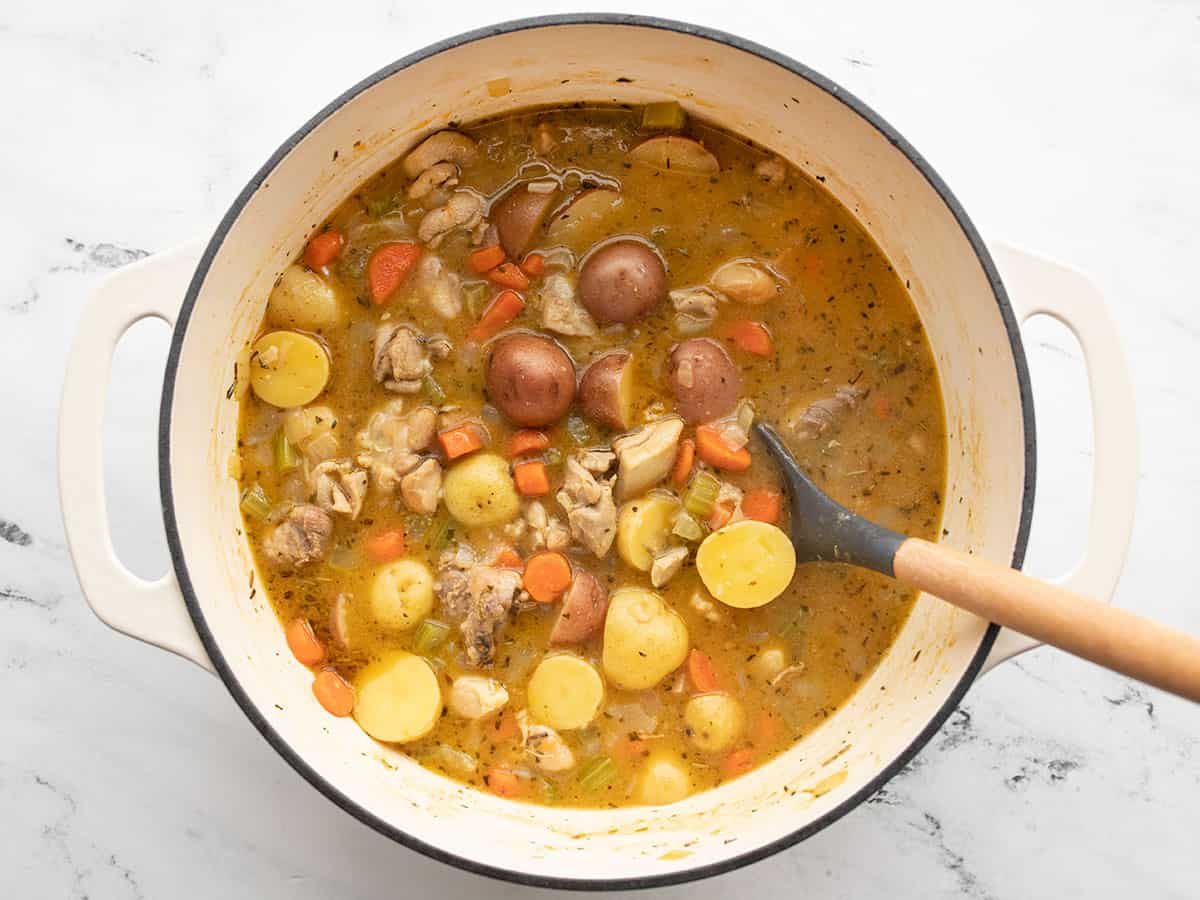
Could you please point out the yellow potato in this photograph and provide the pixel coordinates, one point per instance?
(644, 528)
(479, 491)
(644, 639)
(565, 692)
(714, 721)
(303, 299)
(662, 778)
(399, 698)
(746, 564)
(288, 369)
(402, 594)
(769, 661)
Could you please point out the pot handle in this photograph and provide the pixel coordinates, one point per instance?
(1038, 286)
(152, 611)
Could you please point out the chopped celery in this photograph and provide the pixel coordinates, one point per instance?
(437, 536)
(597, 773)
(665, 116)
(429, 636)
(255, 503)
(434, 391)
(686, 527)
(549, 793)
(702, 494)
(579, 430)
(553, 456)
(343, 559)
(286, 457)
(478, 293)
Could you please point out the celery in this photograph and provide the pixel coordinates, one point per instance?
(255, 503)
(665, 116)
(429, 636)
(687, 528)
(434, 391)
(702, 494)
(438, 534)
(597, 773)
(286, 457)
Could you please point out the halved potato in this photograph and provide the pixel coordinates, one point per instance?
(746, 564)
(565, 692)
(644, 528)
(606, 390)
(581, 222)
(714, 721)
(399, 698)
(644, 639)
(303, 299)
(662, 778)
(402, 594)
(518, 215)
(676, 154)
(288, 369)
(479, 491)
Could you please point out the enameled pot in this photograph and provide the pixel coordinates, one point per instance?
(215, 293)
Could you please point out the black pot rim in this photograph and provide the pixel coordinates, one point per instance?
(294, 758)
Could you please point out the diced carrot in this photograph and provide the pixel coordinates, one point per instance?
(685, 457)
(486, 258)
(763, 505)
(547, 576)
(531, 478)
(303, 643)
(737, 762)
(534, 265)
(324, 249)
(720, 515)
(506, 307)
(508, 275)
(752, 337)
(701, 673)
(333, 693)
(384, 546)
(388, 266)
(508, 558)
(711, 448)
(528, 440)
(460, 441)
(503, 782)
(506, 727)
(881, 407)
(764, 729)
(631, 749)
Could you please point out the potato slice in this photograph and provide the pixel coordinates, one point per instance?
(303, 299)
(663, 778)
(675, 154)
(479, 491)
(714, 721)
(644, 639)
(606, 390)
(644, 528)
(399, 699)
(288, 369)
(402, 594)
(565, 692)
(746, 564)
(581, 222)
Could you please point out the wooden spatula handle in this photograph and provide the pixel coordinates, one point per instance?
(1109, 636)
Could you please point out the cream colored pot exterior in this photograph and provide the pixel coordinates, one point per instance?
(599, 59)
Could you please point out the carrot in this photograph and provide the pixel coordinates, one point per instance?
(752, 337)
(504, 782)
(303, 643)
(486, 258)
(508, 275)
(508, 558)
(631, 749)
(506, 307)
(531, 478)
(881, 407)
(764, 729)
(763, 505)
(385, 545)
(460, 441)
(737, 762)
(505, 727)
(333, 693)
(528, 440)
(534, 265)
(547, 575)
(713, 450)
(720, 515)
(388, 266)
(685, 456)
(701, 673)
(324, 249)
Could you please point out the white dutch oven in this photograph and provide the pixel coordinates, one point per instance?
(215, 295)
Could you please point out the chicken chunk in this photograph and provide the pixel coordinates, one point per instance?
(591, 511)
(464, 210)
(476, 696)
(450, 585)
(401, 361)
(392, 441)
(811, 420)
(443, 174)
(537, 529)
(339, 486)
(544, 745)
(645, 457)
(695, 308)
(300, 539)
(421, 489)
(773, 171)
(666, 565)
(439, 289)
(561, 311)
(477, 596)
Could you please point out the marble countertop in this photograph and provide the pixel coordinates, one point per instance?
(1070, 128)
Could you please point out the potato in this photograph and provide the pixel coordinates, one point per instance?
(677, 155)
(769, 661)
(622, 280)
(530, 379)
(714, 721)
(644, 639)
(518, 216)
(745, 282)
(565, 692)
(746, 564)
(445, 146)
(581, 222)
(303, 299)
(402, 594)
(662, 778)
(399, 699)
(288, 369)
(645, 456)
(583, 609)
(644, 528)
(476, 696)
(479, 491)
(703, 379)
(606, 390)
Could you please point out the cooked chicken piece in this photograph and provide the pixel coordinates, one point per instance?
(463, 210)
(591, 512)
(645, 456)
(731, 496)
(476, 696)
(392, 440)
(544, 745)
(450, 585)
(544, 140)
(745, 282)
(696, 307)
(538, 530)
(300, 539)
(561, 312)
(814, 419)
(401, 359)
(667, 565)
(443, 146)
(773, 171)
(443, 174)
(440, 289)
(705, 607)
(597, 461)
(422, 487)
(339, 486)
(492, 593)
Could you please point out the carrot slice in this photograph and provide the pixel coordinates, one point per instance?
(531, 478)
(506, 727)
(508, 275)
(881, 407)
(303, 643)
(486, 258)
(333, 693)
(685, 456)
(763, 505)
(389, 265)
(547, 576)
(701, 672)
(631, 749)
(506, 307)
(534, 265)
(384, 546)
(737, 762)
(508, 558)
(528, 440)
(460, 441)
(324, 249)
(764, 729)
(504, 782)
(752, 337)
(713, 450)
(720, 515)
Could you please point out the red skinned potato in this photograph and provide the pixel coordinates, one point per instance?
(583, 610)
(704, 380)
(606, 390)
(621, 281)
(518, 215)
(530, 379)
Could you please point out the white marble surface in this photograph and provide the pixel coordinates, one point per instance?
(1072, 128)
